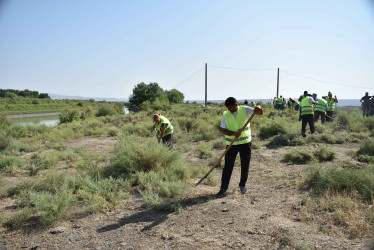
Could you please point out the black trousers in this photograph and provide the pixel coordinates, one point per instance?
(329, 115)
(317, 114)
(168, 140)
(245, 158)
(304, 120)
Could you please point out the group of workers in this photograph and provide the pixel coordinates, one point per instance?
(367, 105)
(233, 120)
(310, 108)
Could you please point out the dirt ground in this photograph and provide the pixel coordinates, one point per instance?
(267, 217)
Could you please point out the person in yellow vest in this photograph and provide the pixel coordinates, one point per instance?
(320, 109)
(331, 107)
(234, 118)
(307, 113)
(164, 127)
(279, 103)
(275, 102)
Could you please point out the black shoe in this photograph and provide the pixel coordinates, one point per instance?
(221, 193)
(243, 190)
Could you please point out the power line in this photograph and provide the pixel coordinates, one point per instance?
(188, 78)
(339, 84)
(232, 68)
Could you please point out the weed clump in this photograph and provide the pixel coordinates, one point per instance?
(285, 140)
(367, 148)
(298, 157)
(204, 150)
(342, 180)
(324, 154)
(272, 129)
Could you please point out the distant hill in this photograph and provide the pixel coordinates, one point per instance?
(60, 97)
(342, 102)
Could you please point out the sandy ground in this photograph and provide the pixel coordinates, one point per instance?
(264, 218)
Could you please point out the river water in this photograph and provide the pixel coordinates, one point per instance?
(40, 119)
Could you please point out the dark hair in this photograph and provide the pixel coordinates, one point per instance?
(230, 101)
(245, 102)
(305, 92)
(156, 116)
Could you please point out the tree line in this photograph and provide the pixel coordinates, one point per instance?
(23, 93)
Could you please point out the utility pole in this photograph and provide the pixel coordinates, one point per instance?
(206, 83)
(278, 84)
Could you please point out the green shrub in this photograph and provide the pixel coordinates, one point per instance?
(298, 157)
(4, 142)
(324, 154)
(219, 144)
(285, 140)
(41, 161)
(99, 195)
(8, 164)
(367, 148)
(53, 207)
(365, 158)
(17, 131)
(67, 116)
(343, 180)
(369, 123)
(113, 131)
(272, 129)
(18, 219)
(105, 109)
(343, 120)
(204, 150)
(133, 154)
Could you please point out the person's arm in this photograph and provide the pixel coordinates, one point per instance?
(229, 133)
(249, 110)
(161, 133)
(336, 99)
(225, 131)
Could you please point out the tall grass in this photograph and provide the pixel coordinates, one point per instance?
(342, 180)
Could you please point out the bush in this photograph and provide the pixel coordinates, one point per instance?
(343, 120)
(285, 140)
(219, 144)
(18, 219)
(9, 163)
(343, 180)
(324, 154)
(365, 158)
(105, 109)
(132, 154)
(113, 131)
(272, 129)
(67, 116)
(53, 207)
(367, 148)
(4, 142)
(204, 150)
(369, 123)
(298, 157)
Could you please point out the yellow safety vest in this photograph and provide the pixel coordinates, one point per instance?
(235, 126)
(331, 103)
(306, 108)
(169, 129)
(321, 106)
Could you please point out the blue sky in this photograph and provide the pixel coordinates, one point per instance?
(104, 48)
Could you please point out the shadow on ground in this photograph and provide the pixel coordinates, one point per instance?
(154, 216)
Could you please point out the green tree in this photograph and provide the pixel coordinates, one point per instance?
(146, 92)
(175, 96)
